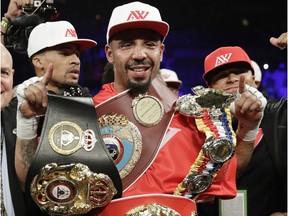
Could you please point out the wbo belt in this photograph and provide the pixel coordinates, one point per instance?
(72, 171)
(126, 124)
(151, 204)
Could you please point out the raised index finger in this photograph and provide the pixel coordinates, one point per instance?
(273, 41)
(242, 85)
(47, 76)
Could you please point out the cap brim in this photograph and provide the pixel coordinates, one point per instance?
(83, 43)
(241, 64)
(161, 27)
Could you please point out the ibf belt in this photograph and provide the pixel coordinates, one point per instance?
(210, 108)
(126, 124)
(72, 172)
(151, 205)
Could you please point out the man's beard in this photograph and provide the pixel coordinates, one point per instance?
(64, 86)
(64, 83)
(138, 88)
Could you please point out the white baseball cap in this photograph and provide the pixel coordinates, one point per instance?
(136, 15)
(257, 71)
(50, 34)
(170, 77)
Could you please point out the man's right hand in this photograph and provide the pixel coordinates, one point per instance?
(32, 95)
(15, 7)
(249, 110)
(280, 42)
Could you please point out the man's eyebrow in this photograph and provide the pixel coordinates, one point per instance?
(7, 69)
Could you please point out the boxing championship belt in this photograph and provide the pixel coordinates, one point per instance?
(151, 204)
(210, 108)
(72, 171)
(133, 128)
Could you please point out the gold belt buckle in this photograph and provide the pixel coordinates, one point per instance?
(71, 189)
(152, 209)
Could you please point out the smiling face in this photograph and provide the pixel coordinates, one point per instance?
(7, 73)
(66, 62)
(136, 55)
(228, 80)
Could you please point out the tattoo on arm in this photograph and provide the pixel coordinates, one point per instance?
(28, 149)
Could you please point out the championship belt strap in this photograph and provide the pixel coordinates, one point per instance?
(72, 171)
(146, 137)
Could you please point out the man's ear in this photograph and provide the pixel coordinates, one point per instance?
(36, 61)
(109, 55)
(38, 65)
(162, 48)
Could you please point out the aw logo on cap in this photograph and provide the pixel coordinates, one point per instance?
(70, 33)
(223, 59)
(137, 15)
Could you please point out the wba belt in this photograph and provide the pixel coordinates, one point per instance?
(133, 128)
(72, 172)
